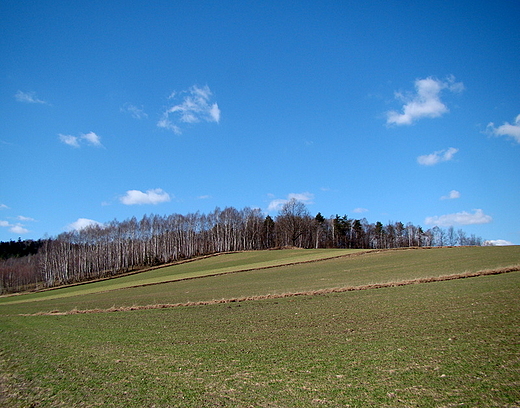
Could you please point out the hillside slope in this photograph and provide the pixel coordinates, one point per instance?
(262, 273)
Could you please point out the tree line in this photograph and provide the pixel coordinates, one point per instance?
(16, 249)
(119, 247)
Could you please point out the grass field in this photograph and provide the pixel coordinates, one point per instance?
(442, 344)
(208, 266)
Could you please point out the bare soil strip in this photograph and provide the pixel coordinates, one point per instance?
(514, 268)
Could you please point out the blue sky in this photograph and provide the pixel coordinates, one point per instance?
(392, 111)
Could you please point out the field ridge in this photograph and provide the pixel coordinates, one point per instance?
(485, 272)
(202, 257)
(256, 268)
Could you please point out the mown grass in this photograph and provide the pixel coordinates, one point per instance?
(442, 344)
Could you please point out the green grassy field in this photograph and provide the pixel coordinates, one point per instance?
(221, 277)
(213, 265)
(442, 344)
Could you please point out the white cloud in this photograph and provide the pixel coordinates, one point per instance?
(82, 223)
(507, 129)
(359, 210)
(28, 97)
(89, 138)
(452, 85)
(19, 229)
(214, 113)
(425, 102)
(277, 204)
(69, 140)
(155, 196)
(137, 113)
(194, 107)
(437, 157)
(461, 218)
(451, 196)
(26, 219)
(14, 228)
(497, 242)
(92, 139)
(303, 197)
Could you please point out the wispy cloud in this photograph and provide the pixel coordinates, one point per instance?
(137, 113)
(191, 106)
(437, 157)
(460, 218)
(155, 196)
(25, 219)
(28, 97)
(507, 129)
(277, 204)
(166, 123)
(453, 194)
(425, 102)
(82, 223)
(90, 139)
(3, 207)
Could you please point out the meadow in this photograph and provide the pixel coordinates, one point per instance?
(439, 344)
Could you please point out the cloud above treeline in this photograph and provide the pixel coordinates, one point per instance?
(90, 139)
(497, 242)
(437, 157)
(360, 210)
(425, 102)
(192, 106)
(460, 218)
(82, 223)
(137, 197)
(278, 203)
(508, 130)
(14, 228)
